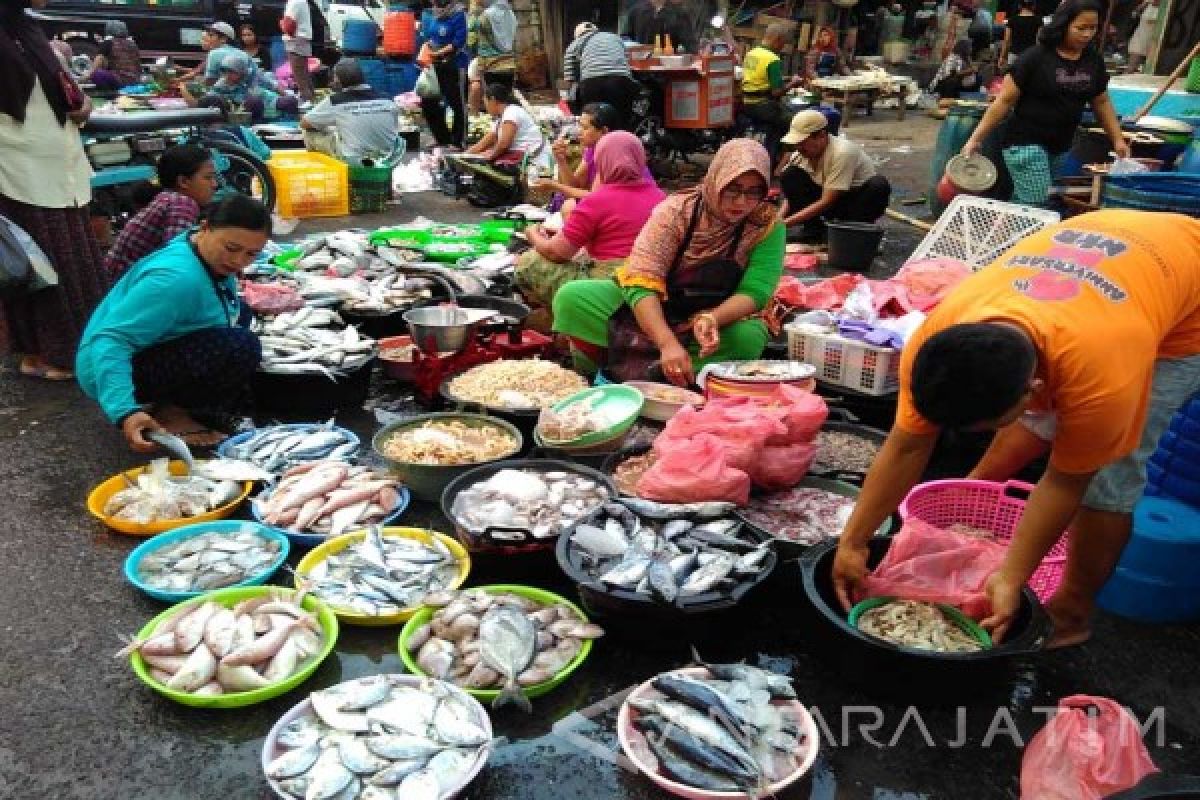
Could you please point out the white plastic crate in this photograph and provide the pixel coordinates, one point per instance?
(977, 230)
(844, 362)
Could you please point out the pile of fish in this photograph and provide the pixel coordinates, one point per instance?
(542, 503)
(380, 738)
(722, 730)
(207, 649)
(280, 446)
(664, 552)
(311, 341)
(803, 515)
(383, 575)
(838, 450)
(209, 561)
(157, 496)
(346, 253)
(919, 625)
(481, 640)
(328, 498)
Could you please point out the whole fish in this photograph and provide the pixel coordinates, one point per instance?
(668, 511)
(689, 774)
(754, 677)
(697, 751)
(507, 644)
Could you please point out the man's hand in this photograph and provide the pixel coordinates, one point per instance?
(970, 148)
(1122, 150)
(1004, 593)
(849, 569)
(135, 427)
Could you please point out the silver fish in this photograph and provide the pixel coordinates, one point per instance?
(667, 511)
(507, 644)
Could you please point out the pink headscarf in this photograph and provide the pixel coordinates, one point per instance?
(620, 158)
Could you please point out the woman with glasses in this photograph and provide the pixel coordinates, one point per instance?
(169, 343)
(690, 292)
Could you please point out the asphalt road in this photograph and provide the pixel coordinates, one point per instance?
(75, 723)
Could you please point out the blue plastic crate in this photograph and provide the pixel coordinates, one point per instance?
(400, 77)
(374, 71)
(1174, 484)
(1146, 599)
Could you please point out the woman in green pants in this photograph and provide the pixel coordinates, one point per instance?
(690, 293)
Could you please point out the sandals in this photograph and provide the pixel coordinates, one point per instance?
(45, 372)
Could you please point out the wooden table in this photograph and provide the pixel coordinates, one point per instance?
(849, 98)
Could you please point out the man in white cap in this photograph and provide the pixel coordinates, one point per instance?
(597, 71)
(217, 40)
(828, 177)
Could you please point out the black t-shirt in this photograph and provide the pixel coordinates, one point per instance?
(1024, 32)
(1054, 92)
(105, 49)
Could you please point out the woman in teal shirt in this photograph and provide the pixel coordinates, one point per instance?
(167, 341)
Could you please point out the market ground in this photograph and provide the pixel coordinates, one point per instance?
(75, 723)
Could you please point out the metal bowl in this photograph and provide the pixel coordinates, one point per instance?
(441, 329)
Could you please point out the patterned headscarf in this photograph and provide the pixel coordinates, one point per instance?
(620, 158)
(656, 245)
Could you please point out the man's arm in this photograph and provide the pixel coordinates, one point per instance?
(812, 210)
(1012, 449)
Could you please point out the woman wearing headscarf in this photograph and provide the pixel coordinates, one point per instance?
(824, 58)
(119, 62)
(702, 268)
(45, 189)
(605, 224)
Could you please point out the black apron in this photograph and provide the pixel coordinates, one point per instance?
(632, 355)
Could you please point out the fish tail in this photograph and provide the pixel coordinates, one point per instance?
(511, 693)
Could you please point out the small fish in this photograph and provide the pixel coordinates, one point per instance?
(668, 511)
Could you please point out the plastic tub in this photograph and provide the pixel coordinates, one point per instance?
(337, 545)
(272, 750)
(428, 481)
(791, 549)
(541, 596)
(995, 507)
(227, 447)
(199, 529)
(662, 410)
(621, 402)
(229, 598)
(313, 394)
(100, 495)
(853, 245)
(301, 539)
(633, 744)
(956, 616)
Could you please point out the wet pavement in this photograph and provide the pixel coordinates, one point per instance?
(77, 724)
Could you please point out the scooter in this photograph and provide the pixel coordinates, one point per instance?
(124, 150)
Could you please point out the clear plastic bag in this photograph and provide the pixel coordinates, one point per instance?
(695, 473)
(937, 566)
(1082, 756)
(1127, 166)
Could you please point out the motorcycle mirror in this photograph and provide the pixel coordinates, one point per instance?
(717, 22)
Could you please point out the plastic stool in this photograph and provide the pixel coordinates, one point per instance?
(1157, 579)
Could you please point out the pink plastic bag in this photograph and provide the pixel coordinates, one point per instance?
(802, 413)
(1082, 757)
(937, 566)
(270, 298)
(735, 417)
(781, 467)
(695, 473)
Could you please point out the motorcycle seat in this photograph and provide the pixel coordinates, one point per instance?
(147, 121)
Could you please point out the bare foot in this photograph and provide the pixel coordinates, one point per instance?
(1072, 626)
(179, 422)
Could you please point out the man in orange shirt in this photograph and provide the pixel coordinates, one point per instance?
(1082, 340)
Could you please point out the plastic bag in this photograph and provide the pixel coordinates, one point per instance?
(1082, 757)
(937, 566)
(271, 299)
(695, 473)
(24, 266)
(736, 417)
(428, 87)
(860, 304)
(801, 412)
(1127, 166)
(782, 467)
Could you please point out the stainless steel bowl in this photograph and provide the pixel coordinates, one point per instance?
(441, 329)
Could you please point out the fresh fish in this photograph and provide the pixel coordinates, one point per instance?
(329, 497)
(328, 776)
(754, 677)
(209, 560)
(697, 751)
(421, 785)
(294, 762)
(232, 469)
(687, 773)
(157, 495)
(697, 724)
(507, 644)
(668, 511)
(662, 580)
(603, 542)
(542, 503)
(708, 575)
(701, 697)
(173, 445)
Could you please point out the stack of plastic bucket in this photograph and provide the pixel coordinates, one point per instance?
(1174, 469)
(1156, 579)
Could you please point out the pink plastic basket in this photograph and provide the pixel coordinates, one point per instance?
(995, 507)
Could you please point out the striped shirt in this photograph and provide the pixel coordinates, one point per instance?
(594, 55)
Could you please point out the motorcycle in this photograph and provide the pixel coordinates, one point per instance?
(124, 150)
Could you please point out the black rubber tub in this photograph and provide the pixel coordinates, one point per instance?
(1162, 787)
(843, 423)
(909, 675)
(314, 394)
(614, 460)
(498, 540)
(686, 617)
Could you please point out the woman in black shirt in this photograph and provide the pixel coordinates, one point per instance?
(1047, 91)
(1023, 29)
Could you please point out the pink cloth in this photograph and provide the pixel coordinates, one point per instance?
(918, 286)
(589, 161)
(608, 220)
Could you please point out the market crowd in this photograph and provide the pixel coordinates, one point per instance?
(642, 284)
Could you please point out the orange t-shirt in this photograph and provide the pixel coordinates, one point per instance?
(1101, 296)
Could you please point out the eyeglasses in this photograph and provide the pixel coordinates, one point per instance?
(731, 193)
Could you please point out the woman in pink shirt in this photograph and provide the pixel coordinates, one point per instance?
(604, 224)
